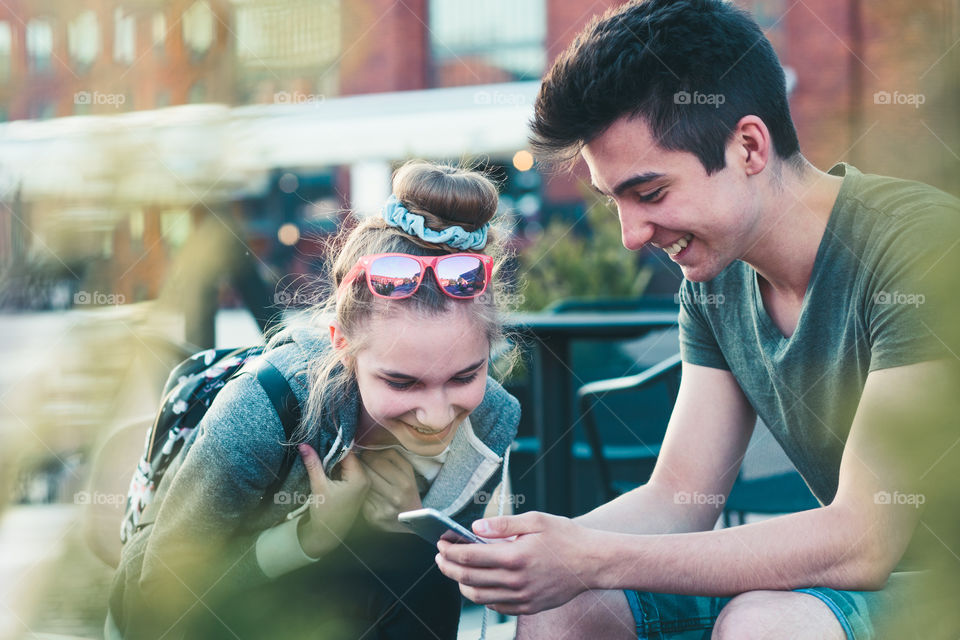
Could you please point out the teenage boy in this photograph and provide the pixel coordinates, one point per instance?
(836, 292)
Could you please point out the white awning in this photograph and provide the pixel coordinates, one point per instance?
(213, 152)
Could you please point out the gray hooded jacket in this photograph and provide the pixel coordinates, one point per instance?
(212, 528)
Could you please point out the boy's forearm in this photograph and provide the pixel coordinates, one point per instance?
(811, 548)
(650, 509)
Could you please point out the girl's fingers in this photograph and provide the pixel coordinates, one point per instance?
(314, 466)
(352, 471)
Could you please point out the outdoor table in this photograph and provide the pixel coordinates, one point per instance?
(551, 378)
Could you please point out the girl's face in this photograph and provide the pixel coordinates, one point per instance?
(420, 376)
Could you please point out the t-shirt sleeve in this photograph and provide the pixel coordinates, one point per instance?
(698, 344)
(909, 298)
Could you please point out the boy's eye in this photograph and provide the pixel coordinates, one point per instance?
(653, 196)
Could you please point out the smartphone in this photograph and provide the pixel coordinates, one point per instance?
(431, 525)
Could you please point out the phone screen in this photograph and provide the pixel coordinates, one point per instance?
(431, 525)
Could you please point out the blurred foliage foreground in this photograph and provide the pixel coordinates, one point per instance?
(577, 260)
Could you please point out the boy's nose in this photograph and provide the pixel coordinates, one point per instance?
(635, 230)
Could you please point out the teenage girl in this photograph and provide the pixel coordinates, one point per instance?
(399, 413)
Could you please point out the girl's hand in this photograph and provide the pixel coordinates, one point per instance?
(333, 503)
(393, 489)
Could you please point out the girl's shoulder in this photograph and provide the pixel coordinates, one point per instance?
(496, 418)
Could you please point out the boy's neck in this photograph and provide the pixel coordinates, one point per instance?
(796, 218)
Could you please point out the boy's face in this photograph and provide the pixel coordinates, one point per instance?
(665, 198)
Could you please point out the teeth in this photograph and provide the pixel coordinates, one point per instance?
(679, 245)
(426, 432)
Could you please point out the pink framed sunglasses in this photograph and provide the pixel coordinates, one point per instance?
(398, 275)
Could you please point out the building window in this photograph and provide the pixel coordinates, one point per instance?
(197, 93)
(6, 46)
(158, 26)
(39, 44)
(199, 29)
(484, 42)
(175, 227)
(161, 99)
(124, 37)
(288, 33)
(83, 39)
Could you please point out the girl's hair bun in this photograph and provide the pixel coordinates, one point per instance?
(446, 196)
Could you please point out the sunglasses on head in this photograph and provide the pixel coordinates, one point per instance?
(398, 275)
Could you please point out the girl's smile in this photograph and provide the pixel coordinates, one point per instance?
(419, 377)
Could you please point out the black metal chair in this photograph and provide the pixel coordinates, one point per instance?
(646, 439)
(780, 493)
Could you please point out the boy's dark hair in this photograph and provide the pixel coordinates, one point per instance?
(689, 68)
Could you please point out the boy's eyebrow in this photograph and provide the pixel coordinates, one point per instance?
(397, 374)
(630, 182)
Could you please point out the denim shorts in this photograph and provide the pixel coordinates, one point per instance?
(863, 615)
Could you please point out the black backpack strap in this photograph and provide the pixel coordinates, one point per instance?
(287, 407)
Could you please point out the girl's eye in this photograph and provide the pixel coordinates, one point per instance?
(466, 379)
(653, 196)
(398, 385)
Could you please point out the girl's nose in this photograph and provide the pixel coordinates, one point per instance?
(435, 412)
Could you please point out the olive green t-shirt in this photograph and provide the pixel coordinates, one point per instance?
(882, 294)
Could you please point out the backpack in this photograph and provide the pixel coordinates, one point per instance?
(188, 393)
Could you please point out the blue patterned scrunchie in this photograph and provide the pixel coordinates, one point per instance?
(457, 237)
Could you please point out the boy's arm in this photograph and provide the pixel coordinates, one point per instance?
(852, 544)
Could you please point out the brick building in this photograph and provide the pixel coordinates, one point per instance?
(109, 57)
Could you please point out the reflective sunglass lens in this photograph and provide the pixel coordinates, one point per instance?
(394, 276)
(462, 276)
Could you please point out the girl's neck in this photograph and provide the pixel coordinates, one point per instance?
(369, 433)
